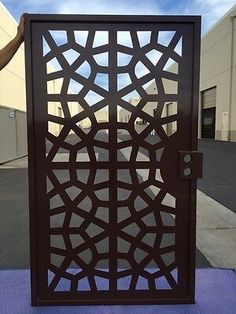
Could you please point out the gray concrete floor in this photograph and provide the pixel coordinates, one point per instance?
(216, 232)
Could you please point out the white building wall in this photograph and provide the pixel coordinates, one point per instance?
(218, 68)
(12, 77)
(13, 96)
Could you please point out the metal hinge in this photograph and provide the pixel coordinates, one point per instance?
(190, 164)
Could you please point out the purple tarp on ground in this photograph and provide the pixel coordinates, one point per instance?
(215, 294)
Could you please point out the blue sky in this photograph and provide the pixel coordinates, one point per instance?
(210, 10)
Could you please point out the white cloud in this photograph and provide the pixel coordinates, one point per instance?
(211, 10)
(108, 7)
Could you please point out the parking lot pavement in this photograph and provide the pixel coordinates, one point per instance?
(14, 252)
(14, 230)
(14, 222)
(216, 223)
(219, 171)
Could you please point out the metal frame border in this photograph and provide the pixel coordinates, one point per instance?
(195, 21)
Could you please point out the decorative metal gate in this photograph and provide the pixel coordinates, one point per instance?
(112, 125)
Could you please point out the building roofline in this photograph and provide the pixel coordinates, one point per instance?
(227, 14)
(2, 6)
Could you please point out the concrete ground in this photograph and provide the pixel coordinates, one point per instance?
(216, 232)
(216, 236)
(216, 221)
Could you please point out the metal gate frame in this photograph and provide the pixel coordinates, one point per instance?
(181, 153)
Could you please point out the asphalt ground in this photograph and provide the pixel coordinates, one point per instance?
(219, 171)
(14, 222)
(14, 226)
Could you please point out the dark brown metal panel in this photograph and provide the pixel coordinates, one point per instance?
(111, 126)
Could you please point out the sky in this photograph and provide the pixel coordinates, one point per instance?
(210, 10)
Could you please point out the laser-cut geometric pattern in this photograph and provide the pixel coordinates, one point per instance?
(109, 180)
(140, 60)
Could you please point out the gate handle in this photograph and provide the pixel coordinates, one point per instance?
(190, 164)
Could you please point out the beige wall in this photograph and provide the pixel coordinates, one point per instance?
(170, 87)
(123, 114)
(168, 109)
(218, 68)
(102, 115)
(12, 77)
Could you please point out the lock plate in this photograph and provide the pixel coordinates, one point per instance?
(190, 164)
